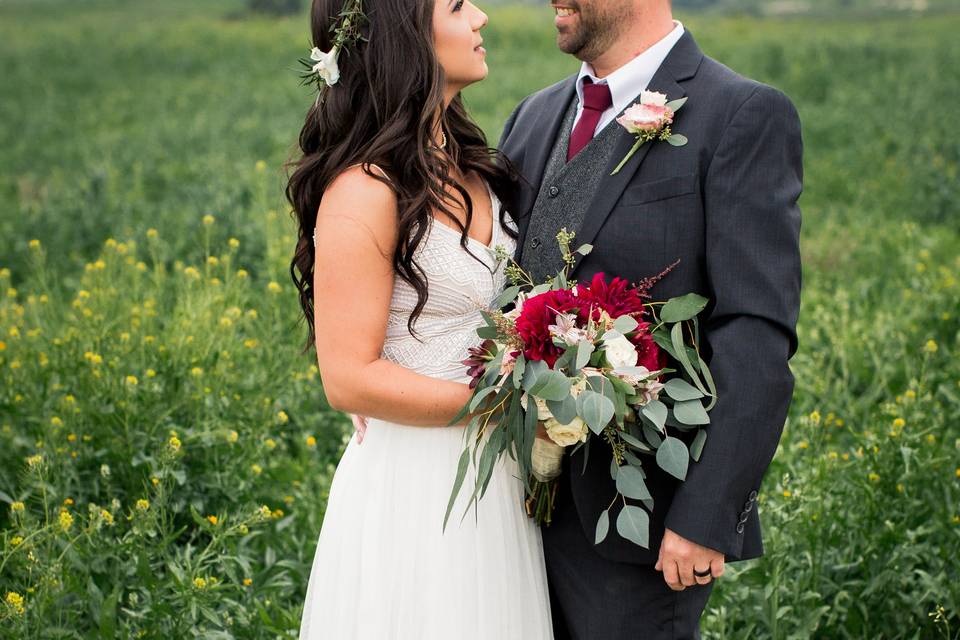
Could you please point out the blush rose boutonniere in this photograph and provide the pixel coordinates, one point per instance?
(650, 119)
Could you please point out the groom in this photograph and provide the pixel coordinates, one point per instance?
(725, 205)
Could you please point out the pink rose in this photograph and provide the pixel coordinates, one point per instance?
(650, 114)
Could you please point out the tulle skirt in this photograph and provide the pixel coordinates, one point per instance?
(384, 569)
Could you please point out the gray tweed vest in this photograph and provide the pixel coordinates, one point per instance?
(565, 195)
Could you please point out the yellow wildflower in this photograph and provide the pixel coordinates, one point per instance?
(132, 381)
(17, 507)
(152, 233)
(845, 456)
(199, 583)
(3, 345)
(66, 520)
(196, 372)
(208, 220)
(34, 460)
(250, 343)
(832, 455)
(311, 441)
(56, 421)
(226, 322)
(233, 436)
(270, 443)
(930, 347)
(34, 244)
(16, 541)
(192, 272)
(247, 582)
(143, 504)
(260, 166)
(282, 417)
(257, 469)
(274, 287)
(277, 513)
(107, 516)
(242, 273)
(910, 394)
(899, 488)
(174, 443)
(815, 417)
(958, 472)
(787, 493)
(898, 423)
(288, 500)
(213, 261)
(151, 373)
(234, 243)
(873, 477)
(264, 511)
(155, 481)
(931, 438)
(213, 519)
(15, 600)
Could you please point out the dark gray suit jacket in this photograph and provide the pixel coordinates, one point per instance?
(725, 205)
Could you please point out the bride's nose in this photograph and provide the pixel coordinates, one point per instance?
(482, 19)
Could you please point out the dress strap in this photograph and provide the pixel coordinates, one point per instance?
(375, 167)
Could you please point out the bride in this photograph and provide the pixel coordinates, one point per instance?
(402, 241)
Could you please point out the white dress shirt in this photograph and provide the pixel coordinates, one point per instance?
(628, 81)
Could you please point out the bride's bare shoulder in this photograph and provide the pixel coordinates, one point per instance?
(354, 199)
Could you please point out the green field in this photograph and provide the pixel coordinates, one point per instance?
(165, 447)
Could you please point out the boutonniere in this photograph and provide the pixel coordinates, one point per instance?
(650, 119)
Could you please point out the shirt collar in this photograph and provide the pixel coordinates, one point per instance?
(628, 81)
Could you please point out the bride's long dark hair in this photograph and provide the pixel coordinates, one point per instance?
(382, 111)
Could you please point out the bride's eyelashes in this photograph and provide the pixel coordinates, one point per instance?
(458, 6)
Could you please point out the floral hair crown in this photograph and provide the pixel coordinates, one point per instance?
(323, 69)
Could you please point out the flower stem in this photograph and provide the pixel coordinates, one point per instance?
(629, 155)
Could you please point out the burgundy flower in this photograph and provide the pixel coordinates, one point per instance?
(477, 362)
(538, 313)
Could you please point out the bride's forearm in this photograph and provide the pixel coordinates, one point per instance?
(389, 391)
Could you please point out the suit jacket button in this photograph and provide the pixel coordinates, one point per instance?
(753, 495)
(739, 527)
(554, 191)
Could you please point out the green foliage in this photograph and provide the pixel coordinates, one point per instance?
(120, 117)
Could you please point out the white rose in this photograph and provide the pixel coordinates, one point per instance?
(578, 386)
(543, 412)
(620, 352)
(545, 459)
(326, 66)
(567, 434)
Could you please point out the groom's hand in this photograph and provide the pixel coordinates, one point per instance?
(679, 557)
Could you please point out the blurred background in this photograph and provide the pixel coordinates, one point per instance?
(165, 447)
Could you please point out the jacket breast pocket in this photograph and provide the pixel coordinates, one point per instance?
(659, 189)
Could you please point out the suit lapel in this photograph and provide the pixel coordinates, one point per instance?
(680, 64)
(538, 151)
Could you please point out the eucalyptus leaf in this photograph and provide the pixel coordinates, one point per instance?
(690, 412)
(457, 483)
(584, 349)
(634, 442)
(596, 409)
(487, 332)
(682, 308)
(603, 527)
(672, 457)
(676, 335)
(657, 412)
(518, 366)
(584, 249)
(625, 324)
(633, 523)
(478, 398)
(674, 105)
(563, 410)
(551, 385)
(680, 389)
(677, 139)
(696, 447)
(652, 436)
(532, 371)
(630, 483)
(508, 296)
(708, 377)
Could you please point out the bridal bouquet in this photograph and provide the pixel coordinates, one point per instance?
(570, 359)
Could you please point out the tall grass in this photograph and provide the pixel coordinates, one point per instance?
(165, 449)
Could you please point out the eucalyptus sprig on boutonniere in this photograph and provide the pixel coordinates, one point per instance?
(650, 119)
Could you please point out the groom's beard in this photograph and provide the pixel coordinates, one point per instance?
(596, 28)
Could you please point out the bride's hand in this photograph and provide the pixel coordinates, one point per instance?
(359, 425)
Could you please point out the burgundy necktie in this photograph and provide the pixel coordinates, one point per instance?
(596, 100)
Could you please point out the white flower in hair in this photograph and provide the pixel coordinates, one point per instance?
(326, 66)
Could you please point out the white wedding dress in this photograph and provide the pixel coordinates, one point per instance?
(384, 569)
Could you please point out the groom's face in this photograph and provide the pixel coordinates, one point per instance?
(587, 28)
